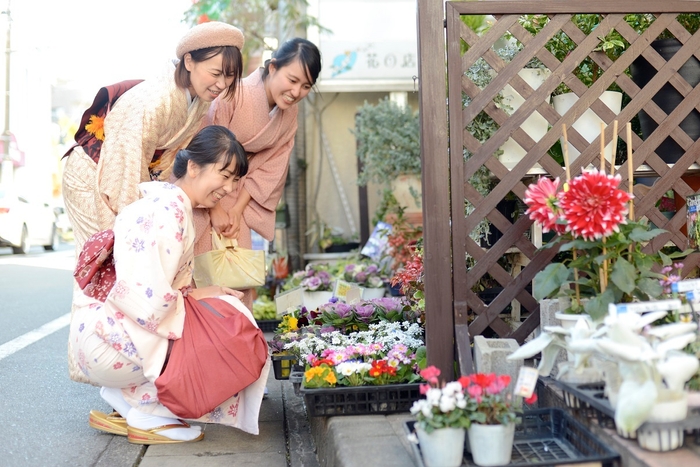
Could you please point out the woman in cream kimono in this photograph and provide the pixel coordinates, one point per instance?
(161, 114)
(121, 343)
(263, 116)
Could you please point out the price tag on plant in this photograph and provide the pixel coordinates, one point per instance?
(288, 300)
(341, 290)
(527, 379)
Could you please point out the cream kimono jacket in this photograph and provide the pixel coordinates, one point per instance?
(153, 251)
(269, 140)
(154, 114)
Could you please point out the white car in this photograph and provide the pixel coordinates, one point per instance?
(24, 223)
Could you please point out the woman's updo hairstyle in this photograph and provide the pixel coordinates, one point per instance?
(306, 51)
(213, 144)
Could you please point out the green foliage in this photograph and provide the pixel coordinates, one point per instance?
(253, 18)
(388, 138)
(630, 275)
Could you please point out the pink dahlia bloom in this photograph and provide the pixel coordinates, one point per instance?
(541, 199)
(593, 206)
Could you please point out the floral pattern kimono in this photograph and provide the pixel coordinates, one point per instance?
(123, 342)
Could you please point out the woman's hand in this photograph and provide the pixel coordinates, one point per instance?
(234, 224)
(220, 219)
(214, 291)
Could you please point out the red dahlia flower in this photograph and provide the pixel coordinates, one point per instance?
(594, 207)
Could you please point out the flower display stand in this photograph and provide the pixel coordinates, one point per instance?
(283, 366)
(546, 437)
(360, 400)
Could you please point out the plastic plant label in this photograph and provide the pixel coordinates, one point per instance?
(354, 295)
(289, 300)
(527, 379)
(644, 307)
(685, 286)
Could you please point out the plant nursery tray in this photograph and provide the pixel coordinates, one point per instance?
(283, 365)
(360, 400)
(268, 325)
(592, 396)
(546, 437)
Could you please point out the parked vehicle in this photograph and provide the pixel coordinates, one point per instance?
(65, 228)
(24, 223)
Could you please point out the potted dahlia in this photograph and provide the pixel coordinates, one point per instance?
(602, 249)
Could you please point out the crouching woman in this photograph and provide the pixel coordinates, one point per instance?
(122, 334)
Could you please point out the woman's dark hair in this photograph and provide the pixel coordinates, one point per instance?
(306, 51)
(232, 66)
(212, 145)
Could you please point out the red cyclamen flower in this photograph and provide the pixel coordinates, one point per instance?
(541, 199)
(594, 207)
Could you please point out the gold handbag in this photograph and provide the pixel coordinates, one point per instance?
(229, 265)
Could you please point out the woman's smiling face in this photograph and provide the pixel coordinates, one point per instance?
(213, 182)
(207, 77)
(287, 85)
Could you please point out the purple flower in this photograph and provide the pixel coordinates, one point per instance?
(342, 310)
(372, 269)
(311, 283)
(349, 268)
(333, 300)
(364, 311)
(361, 277)
(327, 329)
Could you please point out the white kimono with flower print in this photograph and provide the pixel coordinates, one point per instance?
(154, 254)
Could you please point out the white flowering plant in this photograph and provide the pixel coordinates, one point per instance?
(444, 406)
(386, 353)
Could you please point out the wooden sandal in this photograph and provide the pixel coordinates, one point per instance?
(112, 423)
(138, 436)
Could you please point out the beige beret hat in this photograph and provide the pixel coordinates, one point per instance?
(211, 34)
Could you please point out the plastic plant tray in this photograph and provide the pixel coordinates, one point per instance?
(546, 437)
(283, 365)
(593, 396)
(360, 400)
(268, 325)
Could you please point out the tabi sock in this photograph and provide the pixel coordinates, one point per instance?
(142, 421)
(115, 398)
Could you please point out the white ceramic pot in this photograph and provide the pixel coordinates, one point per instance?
(314, 299)
(588, 124)
(491, 444)
(443, 447)
(671, 406)
(369, 293)
(535, 125)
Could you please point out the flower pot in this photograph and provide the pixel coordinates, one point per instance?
(370, 293)
(443, 447)
(407, 191)
(671, 406)
(314, 299)
(584, 376)
(588, 124)
(667, 98)
(491, 444)
(535, 125)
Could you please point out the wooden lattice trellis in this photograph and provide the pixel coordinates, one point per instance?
(469, 309)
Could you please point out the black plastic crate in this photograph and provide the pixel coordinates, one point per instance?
(283, 365)
(360, 400)
(268, 325)
(547, 437)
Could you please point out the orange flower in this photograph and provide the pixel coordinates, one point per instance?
(96, 126)
(203, 19)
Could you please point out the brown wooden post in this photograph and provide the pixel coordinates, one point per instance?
(436, 203)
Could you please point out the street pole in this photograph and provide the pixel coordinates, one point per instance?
(7, 165)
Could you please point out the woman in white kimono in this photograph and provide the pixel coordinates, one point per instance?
(153, 118)
(121, 344)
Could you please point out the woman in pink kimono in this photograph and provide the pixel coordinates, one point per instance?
(121, 342)
(154, 117)
(263, 116)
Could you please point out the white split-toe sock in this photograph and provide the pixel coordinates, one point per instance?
(114, 397)
(143, 421)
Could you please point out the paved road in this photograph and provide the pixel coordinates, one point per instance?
(44, 413)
